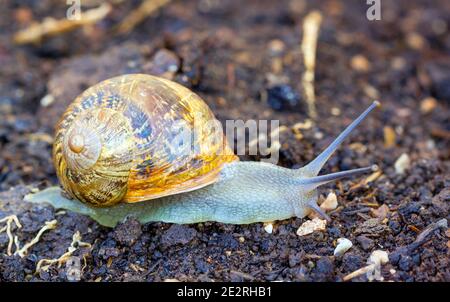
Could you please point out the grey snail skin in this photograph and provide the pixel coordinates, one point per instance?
(232, 191)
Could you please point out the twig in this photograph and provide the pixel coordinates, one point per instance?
(376, 259)
(359, 272)
(311, 26)
(52, 27)
(425, 234)
(138, 15)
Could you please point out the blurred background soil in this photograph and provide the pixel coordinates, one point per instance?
(244, 59)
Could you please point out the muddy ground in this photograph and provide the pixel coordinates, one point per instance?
(243, 57)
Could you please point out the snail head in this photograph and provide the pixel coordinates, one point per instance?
(308, 176)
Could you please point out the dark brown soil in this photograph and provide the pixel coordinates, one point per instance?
(225, 52)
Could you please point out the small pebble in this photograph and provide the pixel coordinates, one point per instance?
(343, 245)
(427, 105)
(371, 92)
(415, 41)
(335, 111)
(310, 226)
(330, 202)
(47, 100)
(268, 228)
(276, 47)
(318, 135)
(402, 164)
(360, 63)
(282, 97)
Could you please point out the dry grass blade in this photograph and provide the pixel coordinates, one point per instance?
(311, 26)
(52, 27)
(138, 15)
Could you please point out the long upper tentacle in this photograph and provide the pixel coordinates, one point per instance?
(316, 165)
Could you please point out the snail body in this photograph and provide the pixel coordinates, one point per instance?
(115, 152)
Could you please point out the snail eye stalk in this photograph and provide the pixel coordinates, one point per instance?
(316, 165)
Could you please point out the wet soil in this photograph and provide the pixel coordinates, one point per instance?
(244, 59)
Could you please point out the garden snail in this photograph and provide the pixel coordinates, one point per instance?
(112, 152)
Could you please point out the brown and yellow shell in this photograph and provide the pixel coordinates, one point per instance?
(125, 139)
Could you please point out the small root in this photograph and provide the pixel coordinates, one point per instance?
(44, 264)
(49, 225)
(9, 220)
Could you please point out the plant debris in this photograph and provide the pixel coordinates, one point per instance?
(44, 264)
(22, 252)
(9, 220)
(372, 270)
(147, 8)
(311, 26)
(51, 27)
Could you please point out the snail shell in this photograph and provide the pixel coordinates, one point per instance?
(119, 141)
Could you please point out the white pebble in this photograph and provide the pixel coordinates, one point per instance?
(268, 228)
(343, 245)
(330, 202)
(310, 226)
(402, 163)
(47, 100)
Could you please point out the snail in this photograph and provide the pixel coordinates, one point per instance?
(115, 155)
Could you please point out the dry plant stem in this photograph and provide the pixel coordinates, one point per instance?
(44, 264)
(52, 27)
(49, 225)
(9, 220)
(138, 15)
(311, 26)
(359, 272)
(376, 259)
